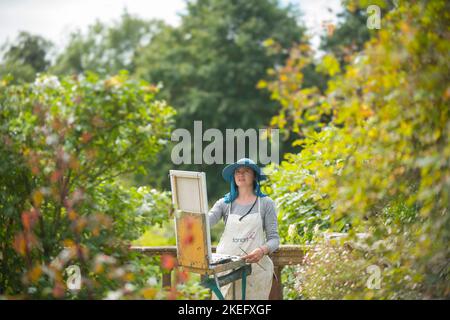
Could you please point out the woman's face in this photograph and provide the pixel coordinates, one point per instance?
(244, 176)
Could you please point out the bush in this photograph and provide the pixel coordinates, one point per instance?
(375, 155)
(65, 143)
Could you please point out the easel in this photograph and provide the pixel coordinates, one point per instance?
(214, 283)
(194, 252)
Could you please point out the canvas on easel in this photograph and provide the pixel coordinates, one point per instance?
(190, 200)
(194, 254)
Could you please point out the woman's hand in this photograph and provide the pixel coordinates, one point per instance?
(255, 255)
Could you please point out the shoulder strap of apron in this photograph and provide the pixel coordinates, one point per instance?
(229, 210)
(240, 219)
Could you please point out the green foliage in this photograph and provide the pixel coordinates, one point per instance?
(329, 65)
(373, 154)
(210, 65)
(106, 49)
(213, 61)
(381, 162)
(26, 56)
(329, 272)
(349, 35)
(65, 144)
(193, 290)
(158, 236)
(133, 209)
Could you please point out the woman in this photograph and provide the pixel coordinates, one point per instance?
(247, 214)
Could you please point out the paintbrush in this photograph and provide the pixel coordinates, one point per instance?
(256, 262)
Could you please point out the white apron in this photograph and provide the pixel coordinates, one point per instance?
(249, 235)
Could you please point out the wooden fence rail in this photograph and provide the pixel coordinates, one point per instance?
(286, 255)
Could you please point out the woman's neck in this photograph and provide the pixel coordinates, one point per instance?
(246, 194)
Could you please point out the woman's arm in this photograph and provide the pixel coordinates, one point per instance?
(216, 212)
(271, 227)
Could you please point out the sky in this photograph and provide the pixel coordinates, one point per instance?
(55, 19)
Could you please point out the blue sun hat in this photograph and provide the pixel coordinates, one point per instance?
(228, 175)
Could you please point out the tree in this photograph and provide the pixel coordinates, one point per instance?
(349, 35)
(106, 49)
(381, 166)
(25, 57)
(65, 143)
(210, 65)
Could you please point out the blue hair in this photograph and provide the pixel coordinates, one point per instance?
(234, 191)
